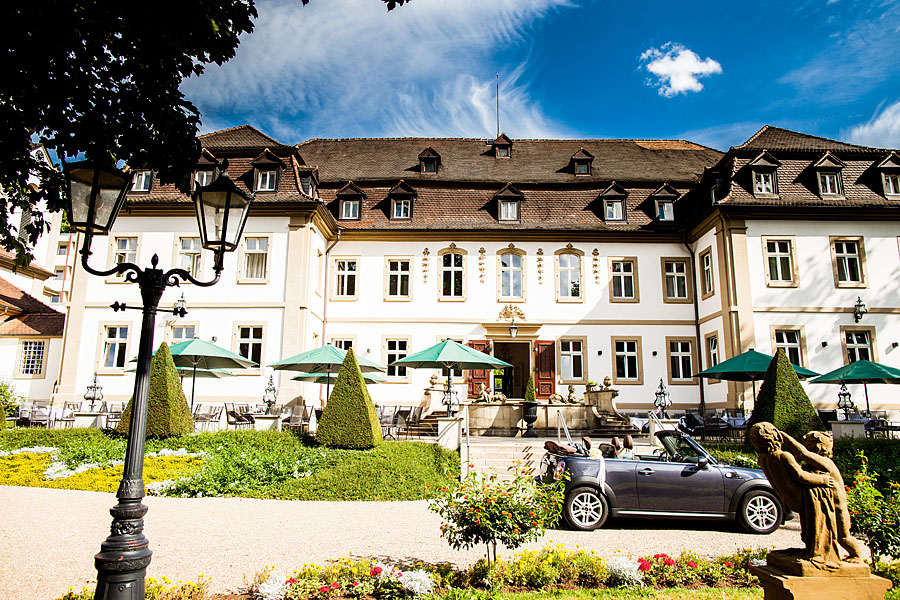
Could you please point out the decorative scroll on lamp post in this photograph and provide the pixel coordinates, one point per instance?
(96, 195)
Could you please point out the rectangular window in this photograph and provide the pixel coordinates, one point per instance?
(763, 183)
(203, 178)
(623, 287)
(680, 361)
(675, 273)
(501, 151)
(350, 209)
(706, 266)
(32, 357)
(830, 183)
(615, 210)
(509, 210)
(628, 360)
(125, 250)
(62, 249)
(396, 349)
(571, 359)
(190, 254)
(452, 275)
(345, 270)
(265, 181)
(510, 275)
(342, 344)
(140, 182)
(891, 184)
(847, 262)
(250, 342)
(183, 333)
(569, 275)
(59, 273)
(779, 261)
(665, 210)
(858, 344)
(402, 209)
(398, 278)
(115, 346)
(789, 341)
(429, 165)
(53, 298)
(582, 168)
(256, 257)
(712, 351)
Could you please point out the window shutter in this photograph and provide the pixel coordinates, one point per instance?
(479, 375)
(544, 368)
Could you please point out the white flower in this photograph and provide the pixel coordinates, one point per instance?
(624, 571)
(29, 450)
(272, 588)
(417, 582)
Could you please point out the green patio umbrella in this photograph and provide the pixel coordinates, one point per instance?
(329, 378)
(198, 354)
(864, 372)
(451, 355)
(326, 359)
(748, 366)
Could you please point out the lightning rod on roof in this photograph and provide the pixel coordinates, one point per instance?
(498, 105)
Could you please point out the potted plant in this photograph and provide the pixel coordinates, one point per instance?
(529, 409)
(590, 386)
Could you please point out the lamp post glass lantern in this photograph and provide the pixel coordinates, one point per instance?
(94, 393)
(270, 395)
(661, 400)
(96, 194)
(859, 309)
(845, 403)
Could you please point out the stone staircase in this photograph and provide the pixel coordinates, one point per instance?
(614, 425)
(487, 456)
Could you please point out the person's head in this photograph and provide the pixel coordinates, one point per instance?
(765, 437)
(820, 443)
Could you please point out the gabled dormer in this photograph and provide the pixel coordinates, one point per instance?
(141, 181)
(429, 161)
(509, 204)
(267, 170)
(207, 169)
(401, 196)
(828, 175)
(664, 202)
(502, 146)
(350, 199)
(613, 199)
(581, 162)
(309, 180)
(764, 172)
(890, 175)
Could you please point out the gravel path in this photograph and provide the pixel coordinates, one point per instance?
(48, 537)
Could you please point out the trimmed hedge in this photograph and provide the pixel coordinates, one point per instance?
(529, 389)
(349, 419)
(782, 401)
(167, 410)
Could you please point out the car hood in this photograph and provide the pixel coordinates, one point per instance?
(744, 471)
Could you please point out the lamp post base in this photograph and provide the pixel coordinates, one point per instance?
(123, 558)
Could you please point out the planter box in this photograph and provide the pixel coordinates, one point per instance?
(267, 422)
(506, 419)
(855, 429)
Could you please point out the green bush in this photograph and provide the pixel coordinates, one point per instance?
(782, 401)
(9, 401)
(875, 516)
(349, 419)
(167, 410)
(529, 389)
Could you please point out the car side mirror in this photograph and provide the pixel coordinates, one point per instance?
(702, 462)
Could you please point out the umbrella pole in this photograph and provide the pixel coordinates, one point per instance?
(327, 386)
(866, 390)
(193, 387)
(448, 392)
(754, 394)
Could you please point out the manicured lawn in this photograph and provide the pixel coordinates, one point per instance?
(259, 464)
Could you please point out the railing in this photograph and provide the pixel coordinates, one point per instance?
(561, 426)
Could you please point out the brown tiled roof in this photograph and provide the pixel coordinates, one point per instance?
(776, 138)
(237, 138)
(8, 260)
(32, 317)
(534, 161)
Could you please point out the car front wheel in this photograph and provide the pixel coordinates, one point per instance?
(586, 509)
(760, 512)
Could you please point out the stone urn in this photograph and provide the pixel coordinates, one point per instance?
(529, 414)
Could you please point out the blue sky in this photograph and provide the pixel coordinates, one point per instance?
(711, 72)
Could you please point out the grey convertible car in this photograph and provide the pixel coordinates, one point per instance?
(680, 480)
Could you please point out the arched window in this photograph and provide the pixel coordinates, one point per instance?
(452, 281)
(568, 275)
(512, 274)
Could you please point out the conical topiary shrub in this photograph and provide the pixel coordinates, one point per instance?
(167, 409)
(349, 419)
(529, 389)
(782, 401)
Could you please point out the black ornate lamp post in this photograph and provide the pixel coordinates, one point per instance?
(96, 194)
(94, 393)
(859, 309)
(845, 403)
(270, 395)
(661, 400)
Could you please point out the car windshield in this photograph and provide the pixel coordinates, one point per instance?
(681, 448)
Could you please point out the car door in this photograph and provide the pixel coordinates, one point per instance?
(679, 487)
(620, 478)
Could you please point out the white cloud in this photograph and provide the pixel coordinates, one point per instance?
(882, 130)
(677, 69)
(343, 67)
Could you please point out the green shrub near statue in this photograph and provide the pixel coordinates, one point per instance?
(349, 419)
(167, 409)
(782, 401)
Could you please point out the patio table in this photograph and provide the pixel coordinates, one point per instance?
(267, 422)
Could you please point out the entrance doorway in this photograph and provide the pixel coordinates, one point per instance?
(512, 382)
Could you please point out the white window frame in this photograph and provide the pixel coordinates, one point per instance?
(62, 248)
(344, 342)
(891, 182)
(248, 249)
(707, 279)
(854, 348)
(196, 255)
(346, 276)
(565, 273)
(395, 270)
(26, 352)
(103, 341)
(401, 209)
(350, 209)
(509, 210)
(711, 343)
(569, 356)
(830, 183)
(510, 272)
(840, 257)
(452, 270)
(791, 340)
(764, 183)
(679, 360)
(609, 203)
(183, 326)
(665, 210)
(626, 351)
(119, 255)
(142, 181)
(621, 275)
(266, 180)
(673, 275)
(779, 255)
(203, 177)
(238, 338)
(391, 351)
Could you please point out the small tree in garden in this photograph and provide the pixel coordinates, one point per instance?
(9, 401)
(167, 409)
(349, 419)
(874, 516)
(782, 401)
(529, 389)
(486, 510)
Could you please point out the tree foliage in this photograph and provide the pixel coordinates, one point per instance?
(782, 401)
(167, 410)
(529, 389)
(103, 78)
(349, 419)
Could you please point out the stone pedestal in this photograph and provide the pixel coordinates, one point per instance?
(267, 422)
(778, 585)
(89, 419)
(854, 428)
(449, 432)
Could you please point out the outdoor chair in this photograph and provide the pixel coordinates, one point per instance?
(67, 418)
(212, 415)
(827, 417)
(114, 414)
(299, 418)
(413, 420)
(386, 419)
(234, 416)
(41, 414)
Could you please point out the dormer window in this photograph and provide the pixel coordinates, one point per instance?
(828, 174)
(203, 178)
(763, 183)
(265, 180)
(207, 168)
(502, 146)
(267, 167)
(891, 184)
(402, 209)
(401, 195)
(509, 201)
(350, 209)
(141, 181)
(581, 162)
(764, 169)
(890, 174)
(429, 160)
(613, 199)
(664, 202)
(350, 199)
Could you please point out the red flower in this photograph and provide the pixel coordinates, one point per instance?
(727, 564)
(375, 571)
(324, 589)
(335, 585)
(669, 562)
(399, 573)
(644, 566)
(355, 583)
(290, 581)
(691, 564)
(660, 556)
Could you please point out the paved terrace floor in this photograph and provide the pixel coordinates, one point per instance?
(48, 537)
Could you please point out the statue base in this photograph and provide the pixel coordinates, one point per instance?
(790, 562)
(779, 585)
